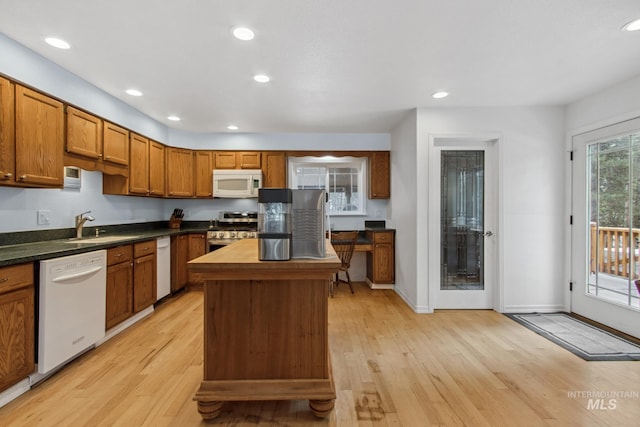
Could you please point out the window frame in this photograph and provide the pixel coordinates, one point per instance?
(329, 162)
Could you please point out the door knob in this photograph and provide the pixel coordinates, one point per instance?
(488, 234)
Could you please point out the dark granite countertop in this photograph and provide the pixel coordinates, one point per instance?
(31, 251)
(32, 246)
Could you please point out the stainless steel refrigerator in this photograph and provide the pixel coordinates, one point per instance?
(308, 232)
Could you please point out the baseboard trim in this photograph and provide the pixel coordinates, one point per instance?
(14, 391)
(124, 325)
(380, 285)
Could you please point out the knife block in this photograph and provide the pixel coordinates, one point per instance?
(174, 222)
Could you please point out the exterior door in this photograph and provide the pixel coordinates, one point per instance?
(466, 209)
(605, 234)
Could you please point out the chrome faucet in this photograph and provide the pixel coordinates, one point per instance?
(80, 220)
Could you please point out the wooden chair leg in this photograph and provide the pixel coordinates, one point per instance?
(349, 281)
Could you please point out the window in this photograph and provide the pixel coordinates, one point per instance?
(341, 177)
(613, 176)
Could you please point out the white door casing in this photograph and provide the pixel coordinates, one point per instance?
(617, 316)
(489, 297)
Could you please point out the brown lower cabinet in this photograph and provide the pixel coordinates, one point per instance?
(381, 260)
(184, 248)
(17, 333)
(131, 281)
(144, 275)
(119, 285)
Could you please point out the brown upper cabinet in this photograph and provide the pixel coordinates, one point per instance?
(179, 172)
(84, 133)
(237, 160)
(203, 173)
(157, 169)
(379, 175)
(116, 144)
(7, 132)
(95, 144)
(274, 169)
(139, 164)
(39, 129)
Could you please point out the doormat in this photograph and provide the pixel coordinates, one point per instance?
(582, 339)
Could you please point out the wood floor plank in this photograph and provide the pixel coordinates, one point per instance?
(391, 367)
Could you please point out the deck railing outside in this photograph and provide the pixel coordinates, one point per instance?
(615, 251)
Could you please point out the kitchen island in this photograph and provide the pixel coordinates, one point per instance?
(265, 328)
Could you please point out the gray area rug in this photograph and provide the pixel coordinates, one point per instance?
(582, 339)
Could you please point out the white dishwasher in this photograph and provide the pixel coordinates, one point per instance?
(163, 265)
(72, 305)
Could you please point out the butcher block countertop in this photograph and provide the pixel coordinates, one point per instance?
(240, 261)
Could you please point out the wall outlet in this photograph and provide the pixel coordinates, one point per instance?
(44, 217)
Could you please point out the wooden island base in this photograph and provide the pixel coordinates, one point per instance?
(265, 329)
(212, 394)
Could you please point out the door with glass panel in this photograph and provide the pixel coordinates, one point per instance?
(606, 222)
(466, 243)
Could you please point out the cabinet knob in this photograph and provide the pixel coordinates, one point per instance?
(118, 255)
(99, 155)
(23, 177)
(8, 175)
(3, 279)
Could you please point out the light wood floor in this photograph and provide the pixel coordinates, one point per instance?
(391, 367)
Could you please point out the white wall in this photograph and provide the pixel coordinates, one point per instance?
(19, 207)
(531, 172)
(404, 202)
(603, 108)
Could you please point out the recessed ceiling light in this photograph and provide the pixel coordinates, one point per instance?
(632, 26)
(134, 92)
(59, 43)
(261, 78)
(440, 94)
(232, 127)
(174, 118)
(243, 33)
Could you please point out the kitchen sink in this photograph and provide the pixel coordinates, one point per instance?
(103, 239)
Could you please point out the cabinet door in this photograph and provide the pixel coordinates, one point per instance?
(249, 160)
(179, 172)
(204, 174)
(7, 131)
(115, 144)
(144, 282)
(274, 170)
(39, 130)
(139, 167)
(383, 263)
(84, 134)
(197, 248)
(119, 293)
(179, 258)
(157, 169)
(17, 333)
(379, 175)
(225, 160)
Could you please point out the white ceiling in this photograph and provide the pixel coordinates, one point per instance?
(336, 65)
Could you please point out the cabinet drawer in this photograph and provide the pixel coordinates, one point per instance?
(119, 254)
(144, 248)
(16, 277)
(383, 237)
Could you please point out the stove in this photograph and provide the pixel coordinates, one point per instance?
(231, 227)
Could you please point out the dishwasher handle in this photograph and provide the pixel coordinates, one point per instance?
(76, 275)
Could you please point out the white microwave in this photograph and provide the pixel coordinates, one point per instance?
(236, 183)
